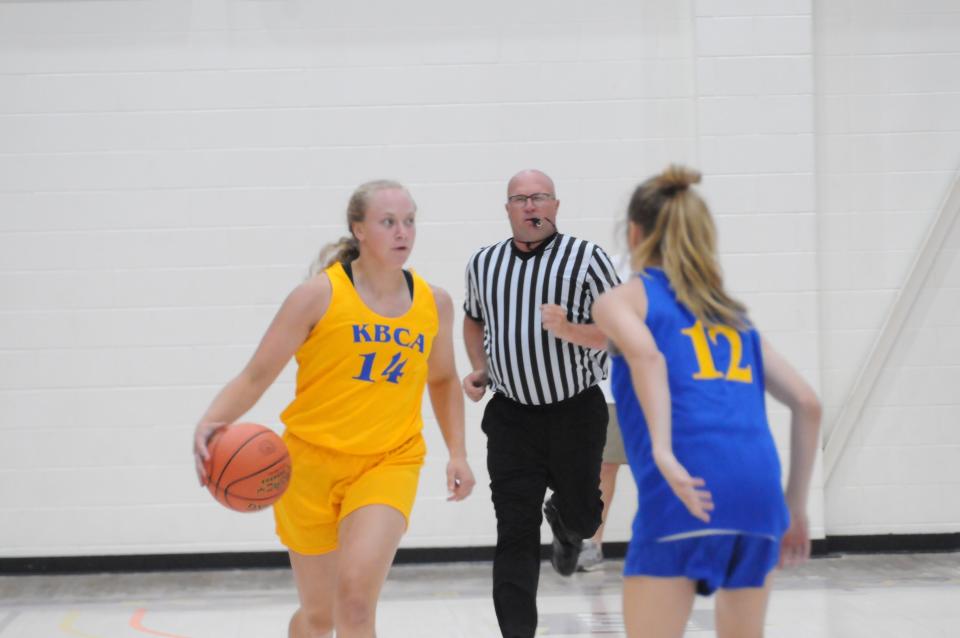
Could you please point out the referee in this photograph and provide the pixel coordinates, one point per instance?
(531, 339)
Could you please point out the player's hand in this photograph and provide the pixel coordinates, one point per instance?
(554, 319)
(201, 435)
(689, 489)
(795, 546)
(475, 384)
(460, 479)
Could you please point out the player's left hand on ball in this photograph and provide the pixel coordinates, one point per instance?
(460, 479)
(201, 435)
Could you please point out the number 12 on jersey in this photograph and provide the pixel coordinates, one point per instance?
(701, 349)
(393, 371)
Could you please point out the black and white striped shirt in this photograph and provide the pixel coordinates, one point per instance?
(505, 288)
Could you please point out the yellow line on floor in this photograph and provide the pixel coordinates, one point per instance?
(66, 626)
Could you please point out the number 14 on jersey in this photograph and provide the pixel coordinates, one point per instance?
(392, 372)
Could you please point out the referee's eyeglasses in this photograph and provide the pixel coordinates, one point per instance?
(538, 199)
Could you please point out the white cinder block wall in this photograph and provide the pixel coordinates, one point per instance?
(168, 168)
(888, 105)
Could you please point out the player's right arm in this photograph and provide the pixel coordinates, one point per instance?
(301, 310)
(787, 386)
(620, 313)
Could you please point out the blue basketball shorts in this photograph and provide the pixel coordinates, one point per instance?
(718, 561)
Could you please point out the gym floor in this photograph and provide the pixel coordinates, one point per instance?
(875, 596)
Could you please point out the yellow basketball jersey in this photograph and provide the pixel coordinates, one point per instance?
(361, 375)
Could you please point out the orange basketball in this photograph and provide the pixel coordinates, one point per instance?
(249, 466)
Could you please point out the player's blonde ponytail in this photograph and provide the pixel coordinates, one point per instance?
(680, 234)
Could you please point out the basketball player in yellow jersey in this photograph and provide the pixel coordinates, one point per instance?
(367, 336)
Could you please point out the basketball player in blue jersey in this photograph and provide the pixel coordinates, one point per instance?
(689, 376)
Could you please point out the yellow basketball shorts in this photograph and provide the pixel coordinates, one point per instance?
(327, 485)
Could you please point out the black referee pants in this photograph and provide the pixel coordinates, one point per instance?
(531, 448)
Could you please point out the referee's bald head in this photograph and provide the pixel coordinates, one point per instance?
(532, 175)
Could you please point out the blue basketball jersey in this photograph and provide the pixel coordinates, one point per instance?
(719, 425)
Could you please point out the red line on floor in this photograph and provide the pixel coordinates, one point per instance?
(136, 622)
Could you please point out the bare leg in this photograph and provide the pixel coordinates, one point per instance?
(656, 607)
(740, 612)
(369, 538)
(316, 578)
(608, 483)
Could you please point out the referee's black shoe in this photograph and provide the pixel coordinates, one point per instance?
(566, 544)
